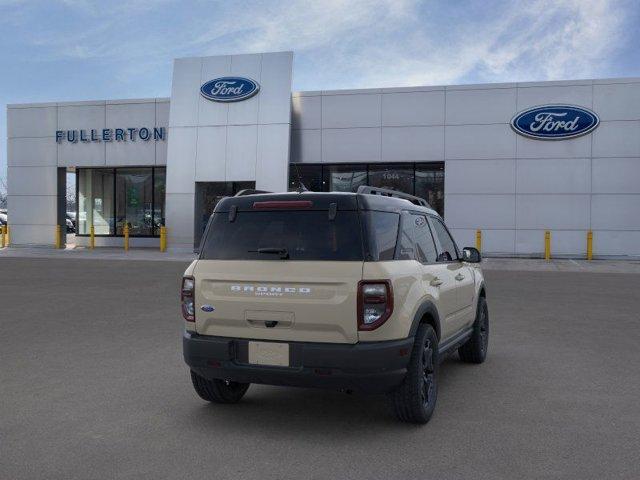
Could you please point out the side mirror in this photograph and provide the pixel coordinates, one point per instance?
(471, 255)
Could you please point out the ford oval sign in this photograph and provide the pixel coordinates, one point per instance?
(229, 89)
(555, 122)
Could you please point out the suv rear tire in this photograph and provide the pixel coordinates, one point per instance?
(415, 400)
(218, 391)
(475, 349)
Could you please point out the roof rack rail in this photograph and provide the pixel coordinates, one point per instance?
(250, 191)
(384, 192)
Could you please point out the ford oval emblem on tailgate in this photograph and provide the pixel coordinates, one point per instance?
(207, 308)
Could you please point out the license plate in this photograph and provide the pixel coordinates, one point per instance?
(269, 353)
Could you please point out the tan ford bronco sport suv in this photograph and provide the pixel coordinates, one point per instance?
(361, 291)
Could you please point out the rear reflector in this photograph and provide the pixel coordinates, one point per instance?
(286, 204)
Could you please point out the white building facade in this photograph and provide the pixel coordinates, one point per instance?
(152, 162)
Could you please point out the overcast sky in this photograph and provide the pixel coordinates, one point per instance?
(83, 49)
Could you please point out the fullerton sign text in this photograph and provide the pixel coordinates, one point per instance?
(111, 135)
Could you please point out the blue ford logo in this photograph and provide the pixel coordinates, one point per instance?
(207, 308)
(229, 89)
(555, 122)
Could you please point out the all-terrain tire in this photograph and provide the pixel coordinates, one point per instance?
(475, 349)
(415, 400)
(218, 391)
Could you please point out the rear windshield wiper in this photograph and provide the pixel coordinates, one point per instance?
(284, 254)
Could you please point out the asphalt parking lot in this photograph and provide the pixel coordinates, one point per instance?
(92, 385)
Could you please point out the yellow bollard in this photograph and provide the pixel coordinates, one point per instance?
(547, 245)
(92, 237)
(3, 234)
(58, 236)
(126, 238)
(8, 233)
(479, 240)
(163, 239)
(589, 245)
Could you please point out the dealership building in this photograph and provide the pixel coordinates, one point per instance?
(512, 159)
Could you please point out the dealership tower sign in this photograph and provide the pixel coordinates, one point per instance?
(555, 122)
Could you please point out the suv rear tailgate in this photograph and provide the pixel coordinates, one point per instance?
(288, 300)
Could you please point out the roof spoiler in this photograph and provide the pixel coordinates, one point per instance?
(250, 191)
(384, 192)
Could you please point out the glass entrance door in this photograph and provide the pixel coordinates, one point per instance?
(208, 194)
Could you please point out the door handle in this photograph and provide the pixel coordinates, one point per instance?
(459, 277)
(436, 282)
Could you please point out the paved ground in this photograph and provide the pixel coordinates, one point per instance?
(520, 264)
(92, 385)
(102, 253)
(561, 265)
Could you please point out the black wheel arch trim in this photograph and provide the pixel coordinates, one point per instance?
(482, 288)
(482, 292)
(427, 307)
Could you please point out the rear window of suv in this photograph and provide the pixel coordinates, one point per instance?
(303, 234)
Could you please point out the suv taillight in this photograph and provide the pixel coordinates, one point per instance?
(187, 295)
(375, 303)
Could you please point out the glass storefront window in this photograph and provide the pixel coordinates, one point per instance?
(430, 185)
(111, 198)
(134, 196)
(393, 177)
(424, 180)
(310, 175)
(95, 201)
(159, 192)
(344, 178)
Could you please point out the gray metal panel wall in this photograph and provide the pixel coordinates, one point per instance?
(218, 142)
(511, 187)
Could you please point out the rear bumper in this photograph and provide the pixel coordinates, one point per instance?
(372, 367)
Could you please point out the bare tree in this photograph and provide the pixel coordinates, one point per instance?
(71, 192)
(3, 193)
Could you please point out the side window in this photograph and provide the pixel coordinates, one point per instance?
(448, 251)
(415, 241)
(425, 248)
(383, 228)
(406, 242)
